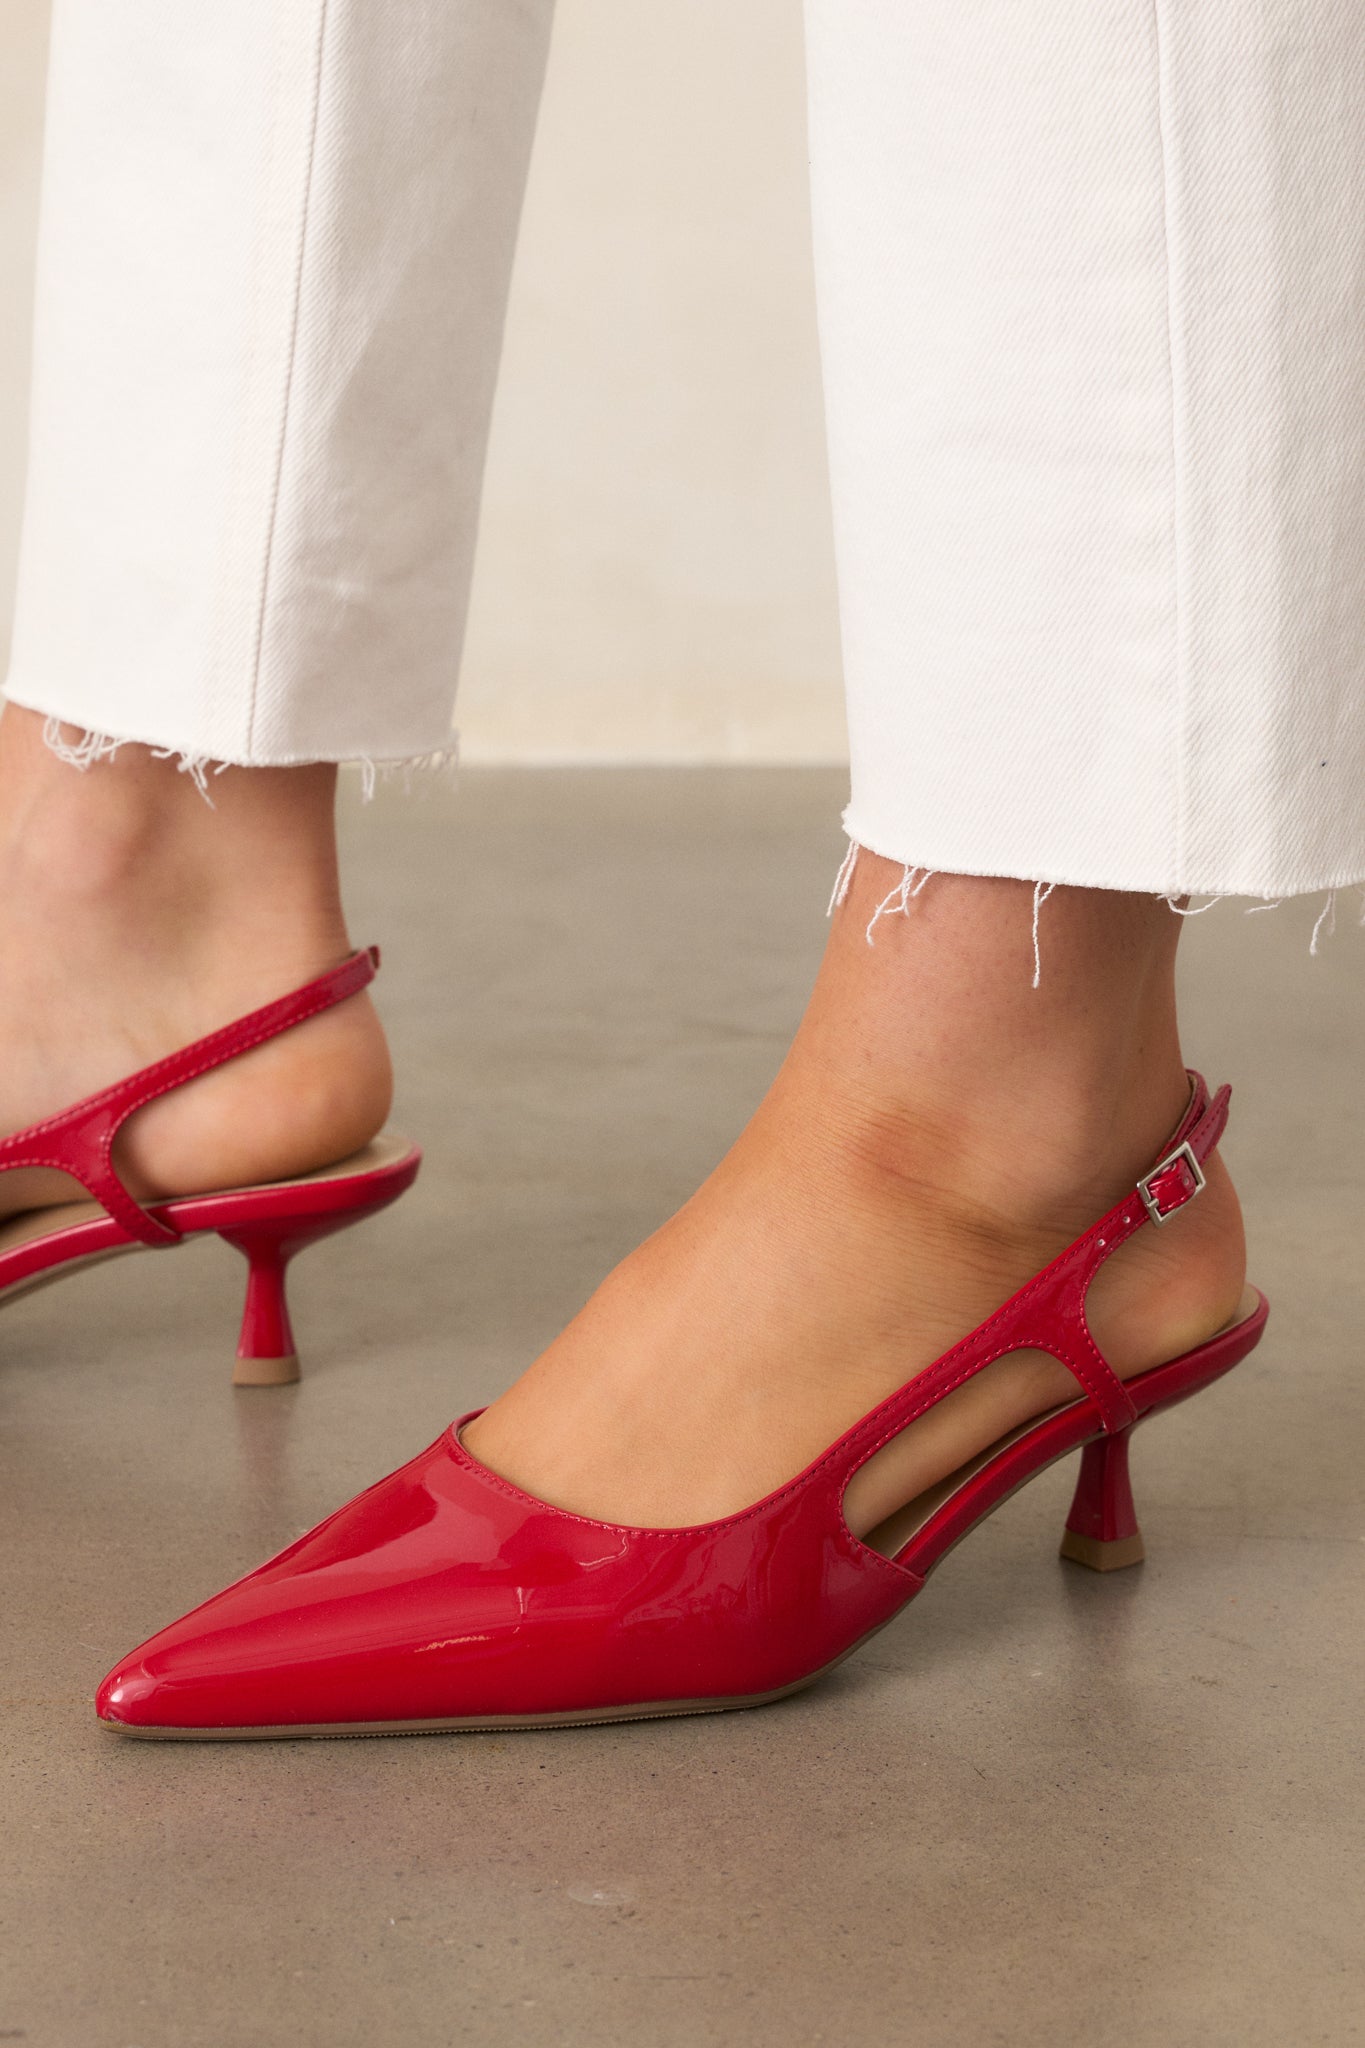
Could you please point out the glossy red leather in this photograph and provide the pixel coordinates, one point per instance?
(1102, 1509)
(338, 1202)
(80, 1141)
(446, 1595)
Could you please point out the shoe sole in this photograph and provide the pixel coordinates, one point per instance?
(77, 1235)
(585, 1717)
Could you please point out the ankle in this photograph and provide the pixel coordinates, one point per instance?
(69, 834)
(239, 887)
(947, 1064)
(1026, 1157)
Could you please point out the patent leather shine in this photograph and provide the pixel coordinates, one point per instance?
(80, 1140)
(443, 1591)
(446, 1596)
(268, 1224)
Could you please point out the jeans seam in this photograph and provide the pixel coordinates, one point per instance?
(1160, 41)
(291, 357)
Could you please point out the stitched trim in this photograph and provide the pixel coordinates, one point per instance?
(295, 322)
(470, 1464)
(108, 1190)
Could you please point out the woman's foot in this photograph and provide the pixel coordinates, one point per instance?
(134, 919)
(939, 1131)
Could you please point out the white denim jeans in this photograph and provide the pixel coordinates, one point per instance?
(1092, 307)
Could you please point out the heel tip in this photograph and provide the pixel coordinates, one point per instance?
(266, 1372)
(1101, 1556)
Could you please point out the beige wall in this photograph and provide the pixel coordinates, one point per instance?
(655, 579)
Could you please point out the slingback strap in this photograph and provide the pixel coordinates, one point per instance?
(1060, 1291)
(1048, 1313)
(80, 1140)
(1178, 1177)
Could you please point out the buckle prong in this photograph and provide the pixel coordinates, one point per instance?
(1161, 1216)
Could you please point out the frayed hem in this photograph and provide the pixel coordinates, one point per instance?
(89, 747)
(1324, 926)
(897, 901)
(843, 881)
(442, 763)
(83, 752)
(1326, 916)
(1041, 892)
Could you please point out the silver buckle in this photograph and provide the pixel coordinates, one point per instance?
(1144, 1186)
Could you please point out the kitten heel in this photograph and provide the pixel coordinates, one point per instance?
(267, 1355)
(1102, 1529)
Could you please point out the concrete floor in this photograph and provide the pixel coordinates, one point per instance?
(1042, 1808)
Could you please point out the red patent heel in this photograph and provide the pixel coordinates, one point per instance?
(1102, 1529)
(445, 1597)
(267, 1355)
(268, 1224)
